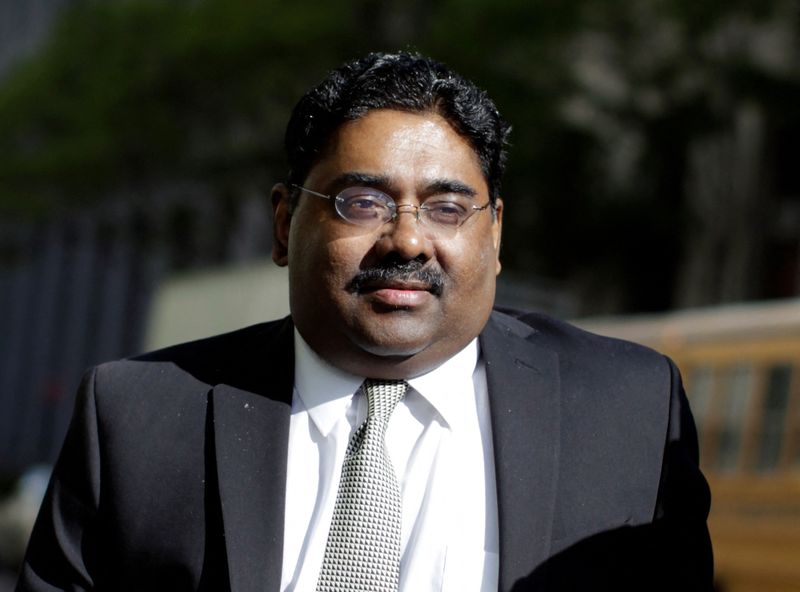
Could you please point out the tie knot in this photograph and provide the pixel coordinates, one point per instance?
(383, 396)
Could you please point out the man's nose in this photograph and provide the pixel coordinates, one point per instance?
(405, 235)
(407, 209)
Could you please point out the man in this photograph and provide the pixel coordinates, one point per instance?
(395, 432)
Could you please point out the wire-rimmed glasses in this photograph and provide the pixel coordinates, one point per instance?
(372, 208)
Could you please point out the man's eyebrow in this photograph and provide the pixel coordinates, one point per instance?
(355, 179)
(384, 183)
(439, 186)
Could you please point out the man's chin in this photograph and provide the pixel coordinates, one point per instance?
(396, 334)
(398, 350)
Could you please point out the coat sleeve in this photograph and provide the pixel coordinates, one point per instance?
(684, 501)
(62, 550)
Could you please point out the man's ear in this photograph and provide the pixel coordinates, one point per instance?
(281, 221)
(497, 232)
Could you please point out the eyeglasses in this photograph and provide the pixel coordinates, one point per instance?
(371, 208)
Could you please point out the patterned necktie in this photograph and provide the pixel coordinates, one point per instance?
(363, 549)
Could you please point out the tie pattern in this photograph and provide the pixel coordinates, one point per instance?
(362, 553)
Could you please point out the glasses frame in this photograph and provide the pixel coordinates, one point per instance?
(395, 210)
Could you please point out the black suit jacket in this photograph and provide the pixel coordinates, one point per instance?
(173, 472)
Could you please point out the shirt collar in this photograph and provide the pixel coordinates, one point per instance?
(444, 386)
(327, 392)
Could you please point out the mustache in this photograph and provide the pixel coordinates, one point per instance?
(393, 271)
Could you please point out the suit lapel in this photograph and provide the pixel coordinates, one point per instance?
(251, 412)
(251, 434)
(523, 382)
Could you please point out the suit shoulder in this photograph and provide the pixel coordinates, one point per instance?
(219, 344)
(579, 346)
(221, 358)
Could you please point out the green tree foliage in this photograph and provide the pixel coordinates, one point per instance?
(129, 92)
(607, 100)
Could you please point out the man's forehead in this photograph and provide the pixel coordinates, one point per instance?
(386, 147)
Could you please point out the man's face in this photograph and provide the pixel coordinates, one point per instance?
(432, 295)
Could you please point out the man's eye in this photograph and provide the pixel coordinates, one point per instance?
(446, 212)
(363, 203)
(363, 206)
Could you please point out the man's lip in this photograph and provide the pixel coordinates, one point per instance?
(401, 285)
(396, 297)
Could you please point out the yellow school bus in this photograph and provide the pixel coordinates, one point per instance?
(741, 368)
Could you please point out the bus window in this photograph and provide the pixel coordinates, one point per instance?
(700, 385)
(793, 437)
(773, 419)
(734, 399)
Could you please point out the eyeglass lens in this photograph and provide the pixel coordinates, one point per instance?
(366, 206)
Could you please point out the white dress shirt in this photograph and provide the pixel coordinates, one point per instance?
(440, 442)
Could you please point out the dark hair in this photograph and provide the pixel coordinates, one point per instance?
(403, 81)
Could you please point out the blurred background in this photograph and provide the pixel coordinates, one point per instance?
(653, 192)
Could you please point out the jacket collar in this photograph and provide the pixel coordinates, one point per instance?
(523, 382)
(251, 435)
